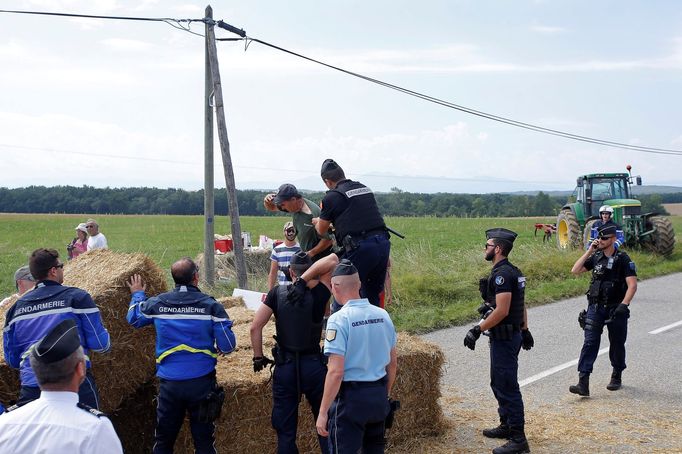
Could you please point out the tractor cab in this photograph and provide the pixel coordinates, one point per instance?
(599, 189)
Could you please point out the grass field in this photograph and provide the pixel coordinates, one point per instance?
(435, 269)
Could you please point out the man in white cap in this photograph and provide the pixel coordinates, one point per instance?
(56, 421)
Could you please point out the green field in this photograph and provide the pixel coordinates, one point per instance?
(435, 269)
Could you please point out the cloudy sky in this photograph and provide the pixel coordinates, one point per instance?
(120, 103)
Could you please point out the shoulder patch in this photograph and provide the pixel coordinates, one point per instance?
(633, 267)
(330, 335)
(499, 280)
(92, 411)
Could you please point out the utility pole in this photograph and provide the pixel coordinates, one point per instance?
(232, 204)
(209, 213)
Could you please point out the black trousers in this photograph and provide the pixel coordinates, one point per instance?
(87, 393)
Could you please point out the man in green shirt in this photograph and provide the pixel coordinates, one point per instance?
(302, 210)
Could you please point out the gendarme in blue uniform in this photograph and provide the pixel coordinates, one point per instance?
(35, 314)
(505, 343)
(607, 290)
(364, 335)
(190, 329)
(360, 229)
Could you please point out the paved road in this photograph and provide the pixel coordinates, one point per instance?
(652, 381)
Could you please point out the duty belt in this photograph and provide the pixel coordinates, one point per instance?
(366, 234)
(363, 384)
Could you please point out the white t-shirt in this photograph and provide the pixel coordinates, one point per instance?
(98, 241)
(54, 424)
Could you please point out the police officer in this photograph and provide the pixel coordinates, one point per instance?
(359, 227)
(300, 367)
(56, 421)
(606, 218)
(613, 285)
(39, 310)
(507, 324)
(192, 329)
(360, 342)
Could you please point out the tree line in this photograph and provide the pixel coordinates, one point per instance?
(88, 199)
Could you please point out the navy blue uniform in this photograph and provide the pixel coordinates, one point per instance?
(607, 290)
(505, 343)
(299, 363)
(191, 328)
(360, 229)
(34, 315)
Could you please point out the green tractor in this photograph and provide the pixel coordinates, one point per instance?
(575, 220)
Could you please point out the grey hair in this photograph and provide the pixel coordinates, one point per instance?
(59, 372)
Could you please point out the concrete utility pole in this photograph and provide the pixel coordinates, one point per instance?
(209, 213)
(233, 206)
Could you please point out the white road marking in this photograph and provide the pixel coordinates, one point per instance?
(555, 369)
(666, 328)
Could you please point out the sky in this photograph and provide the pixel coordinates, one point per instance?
(121, 103)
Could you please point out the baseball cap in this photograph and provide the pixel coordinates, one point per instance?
(286, 192)
(81, 227)
(23, 274)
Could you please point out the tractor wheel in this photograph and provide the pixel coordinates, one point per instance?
(568, 230)
(663, 238)
(587, 231)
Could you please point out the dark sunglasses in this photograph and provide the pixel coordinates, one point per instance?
(607, 237)
(61, 265)
(489, 245)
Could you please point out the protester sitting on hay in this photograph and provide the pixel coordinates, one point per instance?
(24, 281)
(192, 329)
(80, 243)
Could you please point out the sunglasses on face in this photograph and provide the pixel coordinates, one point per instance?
(607, 237)
(489, 245)
(60, 265)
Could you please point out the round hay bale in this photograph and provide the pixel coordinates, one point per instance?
(130, 363)
(9, 377)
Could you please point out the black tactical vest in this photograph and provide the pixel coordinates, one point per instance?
(362, 214)
(515, 316)
(296, 331)
(607, 287)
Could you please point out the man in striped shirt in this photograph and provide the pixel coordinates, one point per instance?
(281, 257)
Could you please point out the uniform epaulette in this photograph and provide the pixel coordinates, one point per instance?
(92, 411)
(13, 407)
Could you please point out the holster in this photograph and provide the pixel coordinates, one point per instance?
(503, 332)
(582, 319)
(278, 355)
(212, 405)
(349, 243)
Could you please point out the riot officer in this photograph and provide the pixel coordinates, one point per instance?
(359, 227)
(613, 285)
(300, 367)
(507, 324)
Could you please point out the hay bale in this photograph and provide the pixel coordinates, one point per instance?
(257, 264)
(130, 363)
(135, 420)
(239, 315)
(9, 377)
(245, 426)
(231, 301)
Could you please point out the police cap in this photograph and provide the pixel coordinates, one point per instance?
(23, 274)
(345, 268)
(327, 165)
(300, 261)
(501, 234)
(607, 230)
(59, 343)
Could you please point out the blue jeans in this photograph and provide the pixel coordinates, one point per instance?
(176, 398)
(371, 260)
(504, 369)
(285, 396)
(618, 332)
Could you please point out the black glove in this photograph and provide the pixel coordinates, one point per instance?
(472, 336)
(260, 363)
(621, 310)
(297, 290)
(527, 341)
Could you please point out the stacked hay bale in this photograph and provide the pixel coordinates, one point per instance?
(130, 363)
(245, 427)
(9, 378)
(257, 264)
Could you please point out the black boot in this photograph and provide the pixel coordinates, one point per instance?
(517, 443)
(583, 386)
(501, 431)
(615, 383)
